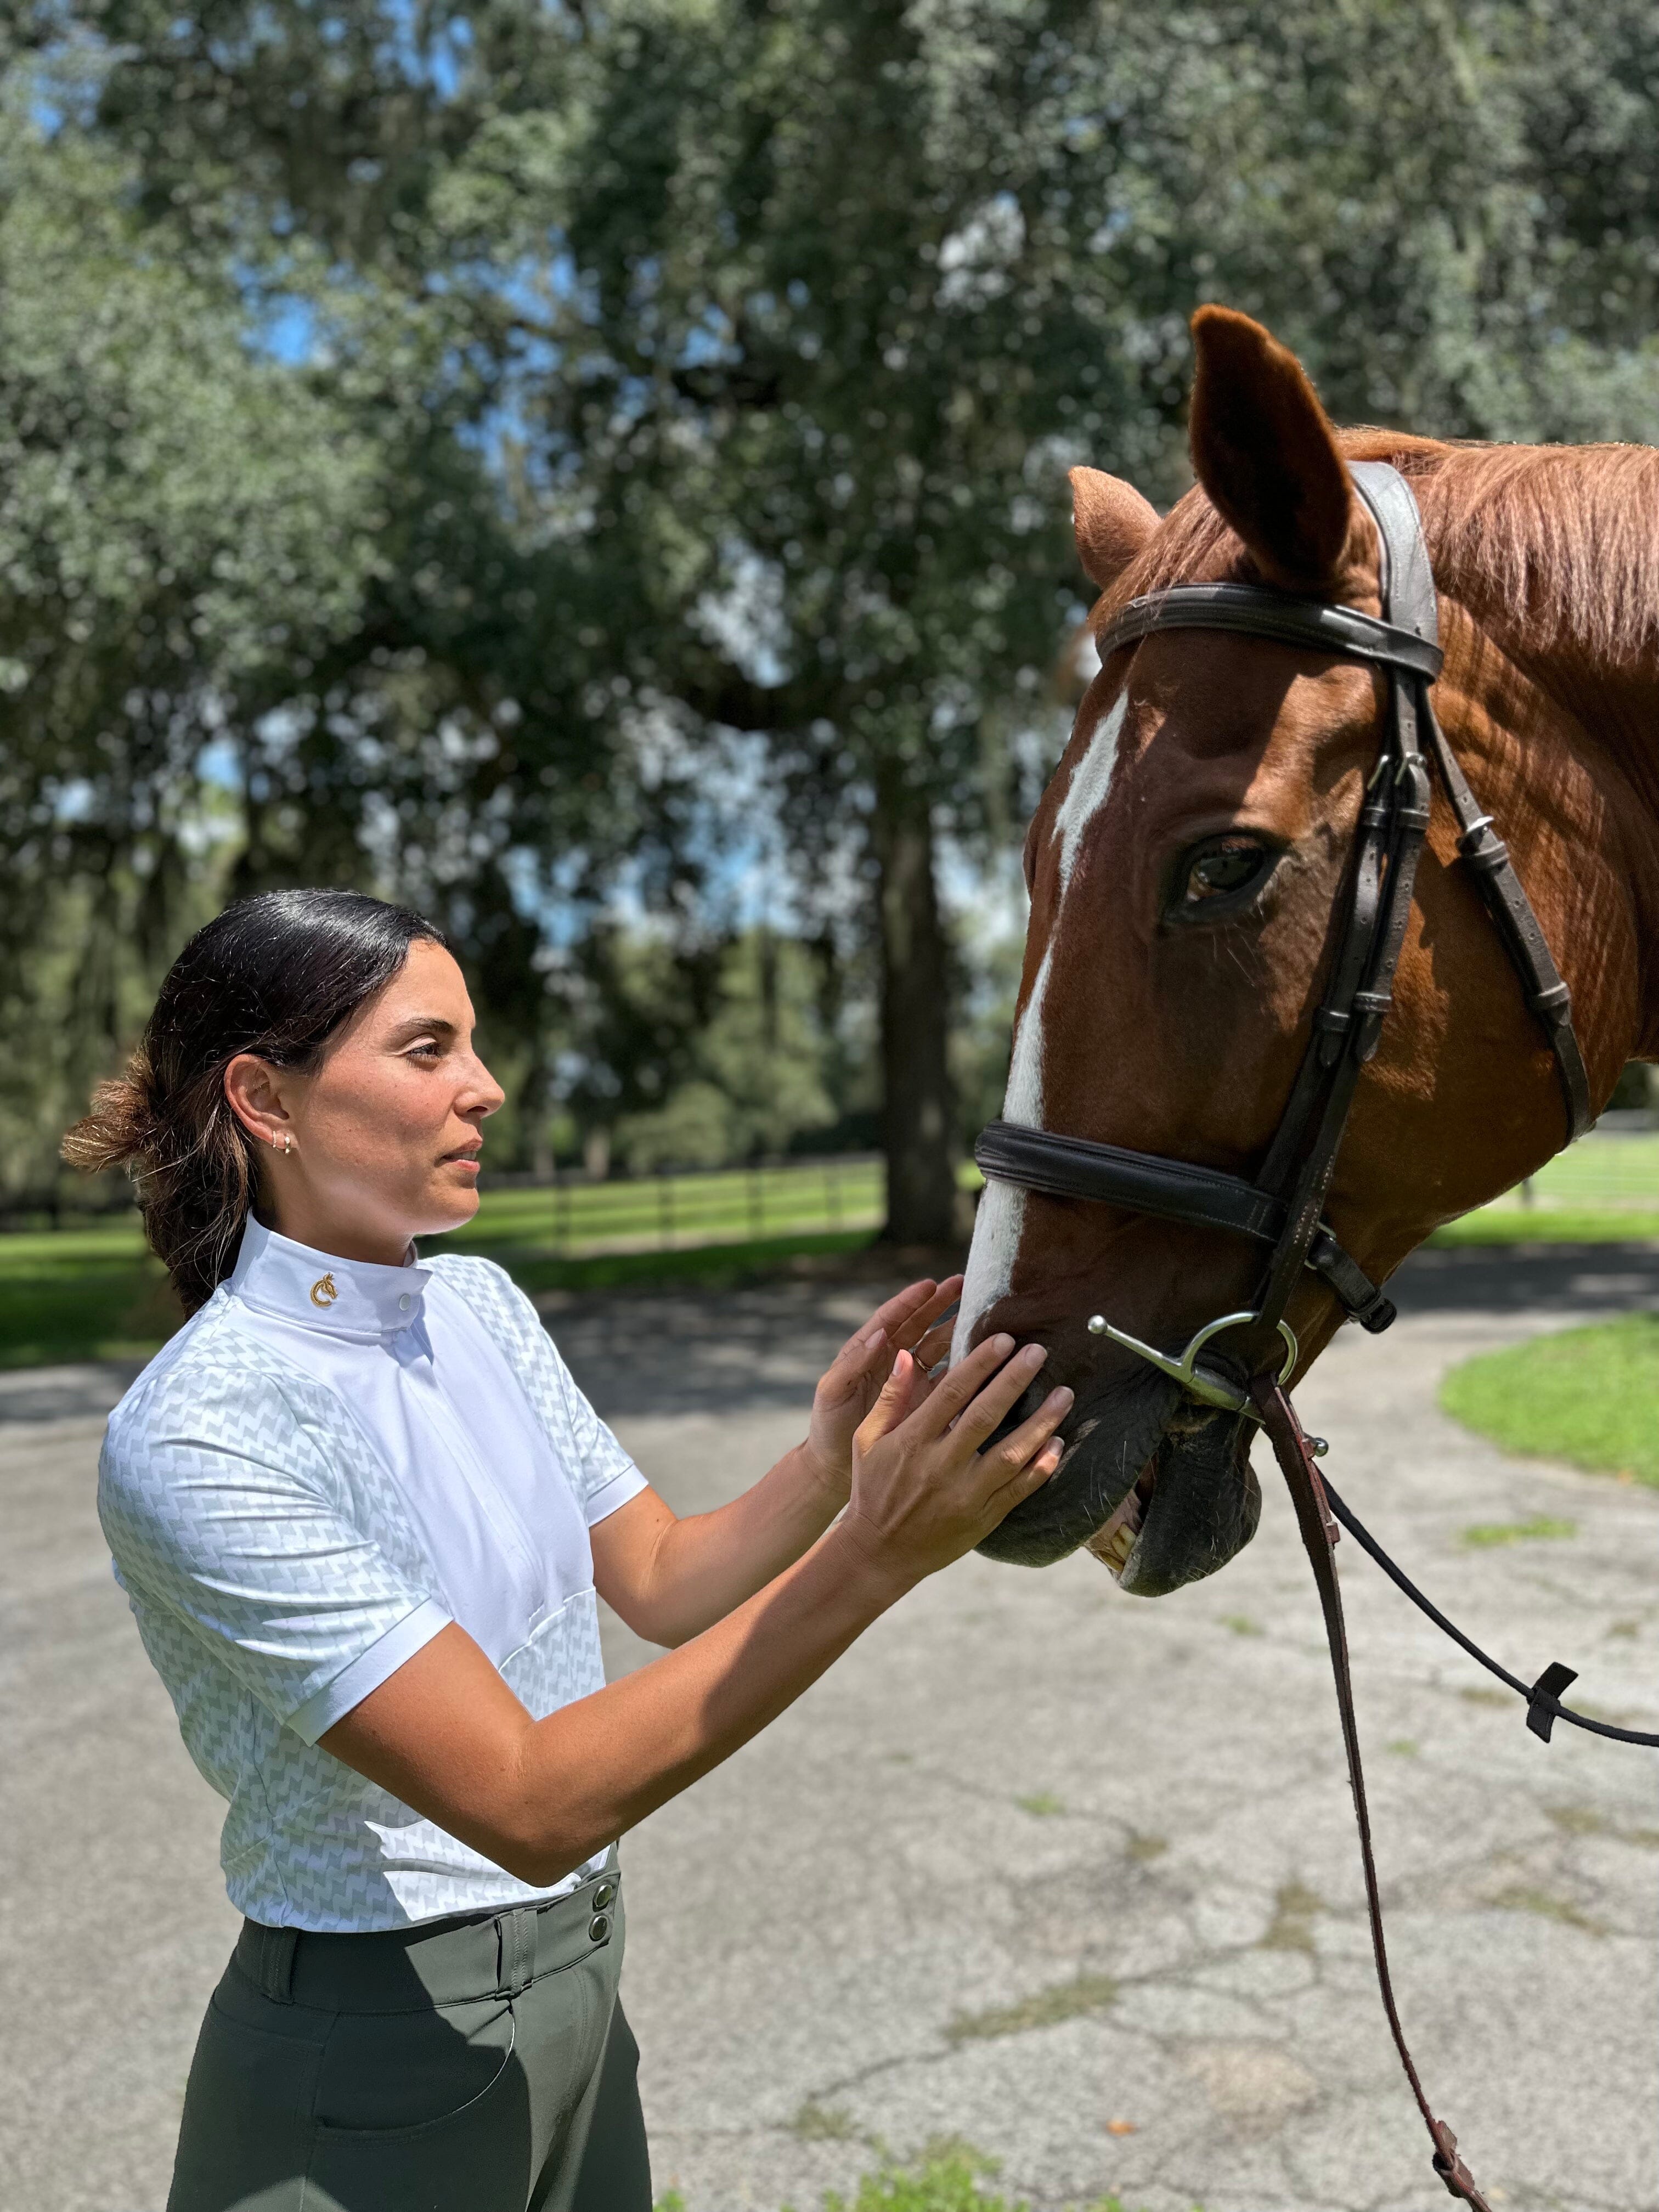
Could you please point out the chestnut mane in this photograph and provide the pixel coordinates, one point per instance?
(1569, 534)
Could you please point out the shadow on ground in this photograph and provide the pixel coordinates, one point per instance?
(682, 1352)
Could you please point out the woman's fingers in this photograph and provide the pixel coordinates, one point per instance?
(924, 1319)
(891, 1406)
(895, 1313)
(979, 1390)
(954, 1391)
(1027, 1440)
(1003, 1392)
(850, 1373)
(1025, 1480)
(932, 1348)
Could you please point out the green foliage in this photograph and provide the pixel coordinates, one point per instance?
(426, 435)
(268, 610)
(1588, 1396)
(756, 1066)
(174, 514)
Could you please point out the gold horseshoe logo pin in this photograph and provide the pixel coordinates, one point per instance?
(323, 1292)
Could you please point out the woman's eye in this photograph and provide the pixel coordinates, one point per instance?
(1224, 870)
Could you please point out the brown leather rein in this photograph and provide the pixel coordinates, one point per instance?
(1283, 1207)
(1293, 1450)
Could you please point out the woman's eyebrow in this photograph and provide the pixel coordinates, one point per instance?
(423, 1026)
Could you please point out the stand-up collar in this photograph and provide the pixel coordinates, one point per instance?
(343, 1298)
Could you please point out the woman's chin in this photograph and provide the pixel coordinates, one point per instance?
(451, 1206)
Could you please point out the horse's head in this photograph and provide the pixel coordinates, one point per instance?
(1187, 871)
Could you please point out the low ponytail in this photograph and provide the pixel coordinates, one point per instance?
(275, 975)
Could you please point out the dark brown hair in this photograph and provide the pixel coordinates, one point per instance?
(277, 976)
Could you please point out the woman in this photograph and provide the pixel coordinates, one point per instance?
(360, 1511)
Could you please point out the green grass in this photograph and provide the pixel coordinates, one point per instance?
(738, 1205)
(950, 2183)
(1503, 1224)
(712, 1266)
(950, 2178)
(1604, 1192)
(68, 1304)
(87, 1294)
(1542, 1528)
(1589, 1396)
(1073, 2000)
(95, 1292)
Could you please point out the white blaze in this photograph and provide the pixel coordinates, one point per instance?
(1001, 1221)
(1087, 793)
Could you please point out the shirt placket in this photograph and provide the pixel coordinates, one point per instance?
(421, 1373)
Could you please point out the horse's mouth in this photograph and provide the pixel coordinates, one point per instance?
(1159, 1489)
(1113, 1542)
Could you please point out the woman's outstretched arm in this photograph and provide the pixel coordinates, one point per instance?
(670, 1578)
(447, 1735)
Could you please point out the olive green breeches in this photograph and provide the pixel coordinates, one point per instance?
(468, 2066)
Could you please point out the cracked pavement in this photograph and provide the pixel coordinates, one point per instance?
(1066, 1874)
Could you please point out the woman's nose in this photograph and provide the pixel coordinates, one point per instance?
(482, 1095)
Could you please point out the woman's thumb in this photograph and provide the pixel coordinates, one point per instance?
(894, 1403)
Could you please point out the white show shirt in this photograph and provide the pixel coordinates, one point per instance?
(330, 1462)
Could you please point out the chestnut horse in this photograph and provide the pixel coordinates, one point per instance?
(1187, 872)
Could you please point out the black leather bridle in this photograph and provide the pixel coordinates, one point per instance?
(1283, 1207)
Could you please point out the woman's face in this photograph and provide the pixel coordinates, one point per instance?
(386, 1132)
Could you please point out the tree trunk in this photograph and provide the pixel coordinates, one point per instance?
(916, 1112)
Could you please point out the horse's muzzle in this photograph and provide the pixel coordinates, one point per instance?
(1140, 1447)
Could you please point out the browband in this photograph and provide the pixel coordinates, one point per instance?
(1342, 632)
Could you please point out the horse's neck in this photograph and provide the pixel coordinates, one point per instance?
(1580, 702)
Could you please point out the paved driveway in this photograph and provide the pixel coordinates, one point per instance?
(1067, 1876)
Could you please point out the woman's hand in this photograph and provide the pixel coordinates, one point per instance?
(447, 1735)
(924, 1490)
(913, 1321)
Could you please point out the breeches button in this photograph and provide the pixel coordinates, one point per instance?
(599, 1928)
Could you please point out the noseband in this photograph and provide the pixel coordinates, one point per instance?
(1282, 1208)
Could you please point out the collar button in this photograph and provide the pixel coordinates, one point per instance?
(404, 1302)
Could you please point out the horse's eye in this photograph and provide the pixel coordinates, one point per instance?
(1226, 868)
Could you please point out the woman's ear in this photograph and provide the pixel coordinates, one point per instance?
(1111, 521)
(252, 1094)
(1264, 451)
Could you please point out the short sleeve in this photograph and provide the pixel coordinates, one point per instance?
(222, 1514)
(606, 1475)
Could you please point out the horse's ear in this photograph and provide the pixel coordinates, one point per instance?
(1112, 522)
(1264, 451)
